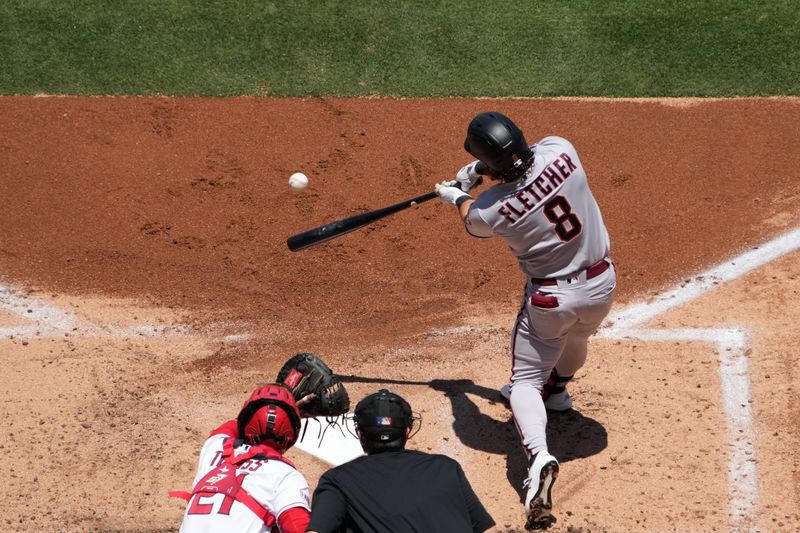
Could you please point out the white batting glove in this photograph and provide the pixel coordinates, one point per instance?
(449, 192)
(467, 177)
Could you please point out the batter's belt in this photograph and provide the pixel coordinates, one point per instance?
(591, 272)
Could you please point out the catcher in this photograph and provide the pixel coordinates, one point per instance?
(244, 482)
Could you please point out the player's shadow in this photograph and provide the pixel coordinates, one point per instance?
(570, 435)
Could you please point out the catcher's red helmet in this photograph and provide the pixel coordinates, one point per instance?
(270, 416)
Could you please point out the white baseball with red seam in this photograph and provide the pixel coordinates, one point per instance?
(298, 181)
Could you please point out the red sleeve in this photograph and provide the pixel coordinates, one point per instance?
(294, 520)
(229, 428)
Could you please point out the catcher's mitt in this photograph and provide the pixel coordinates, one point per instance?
(317, 391)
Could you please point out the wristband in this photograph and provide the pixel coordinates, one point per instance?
(462, 199)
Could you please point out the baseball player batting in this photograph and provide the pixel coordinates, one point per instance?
(543, 209)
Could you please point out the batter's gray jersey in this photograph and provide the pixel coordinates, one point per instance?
(549, 218)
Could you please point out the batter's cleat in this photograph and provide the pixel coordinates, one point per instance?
(505, 392)
(560, 402)
(538, 500)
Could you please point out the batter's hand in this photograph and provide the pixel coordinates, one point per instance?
(449, 193)
(468, 177)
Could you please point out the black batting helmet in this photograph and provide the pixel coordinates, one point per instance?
(494, 139)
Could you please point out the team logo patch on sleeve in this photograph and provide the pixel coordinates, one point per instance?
(384, 420)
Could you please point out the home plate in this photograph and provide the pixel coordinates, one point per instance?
(333, 444)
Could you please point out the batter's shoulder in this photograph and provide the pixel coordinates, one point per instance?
(553, 140)
(495, 193)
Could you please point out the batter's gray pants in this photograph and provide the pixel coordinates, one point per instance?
(552, 331)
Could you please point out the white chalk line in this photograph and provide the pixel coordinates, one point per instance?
(43, 320)
(732, 344)
(40, 319)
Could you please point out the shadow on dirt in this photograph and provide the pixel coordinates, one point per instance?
(570, 435)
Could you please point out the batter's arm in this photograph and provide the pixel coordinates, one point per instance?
(463, 208)
(462, 201)
(474, 223)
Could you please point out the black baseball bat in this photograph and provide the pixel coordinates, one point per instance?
(346, 225)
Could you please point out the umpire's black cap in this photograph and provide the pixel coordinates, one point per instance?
(383, 416)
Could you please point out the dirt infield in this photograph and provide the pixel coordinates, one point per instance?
(146, 288)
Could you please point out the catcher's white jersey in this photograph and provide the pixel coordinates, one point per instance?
(549, 219)
(274, 484)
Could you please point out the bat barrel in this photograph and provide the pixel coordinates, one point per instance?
(337, 228)
(319, 235)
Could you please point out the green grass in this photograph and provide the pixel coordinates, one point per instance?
(409, 48)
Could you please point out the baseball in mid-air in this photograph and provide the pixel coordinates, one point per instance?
(298, 181)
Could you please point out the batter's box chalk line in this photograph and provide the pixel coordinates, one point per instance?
(39, 319)
(732, 345)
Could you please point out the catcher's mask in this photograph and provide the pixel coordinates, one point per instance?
(494, 139)
(270, 416)
(384, 416)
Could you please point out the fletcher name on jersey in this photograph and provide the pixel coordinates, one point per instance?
(556, 172)
(549, 218)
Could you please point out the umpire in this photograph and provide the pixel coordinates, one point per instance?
(391, 489)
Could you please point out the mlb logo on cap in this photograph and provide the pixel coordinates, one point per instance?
(383, 416)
